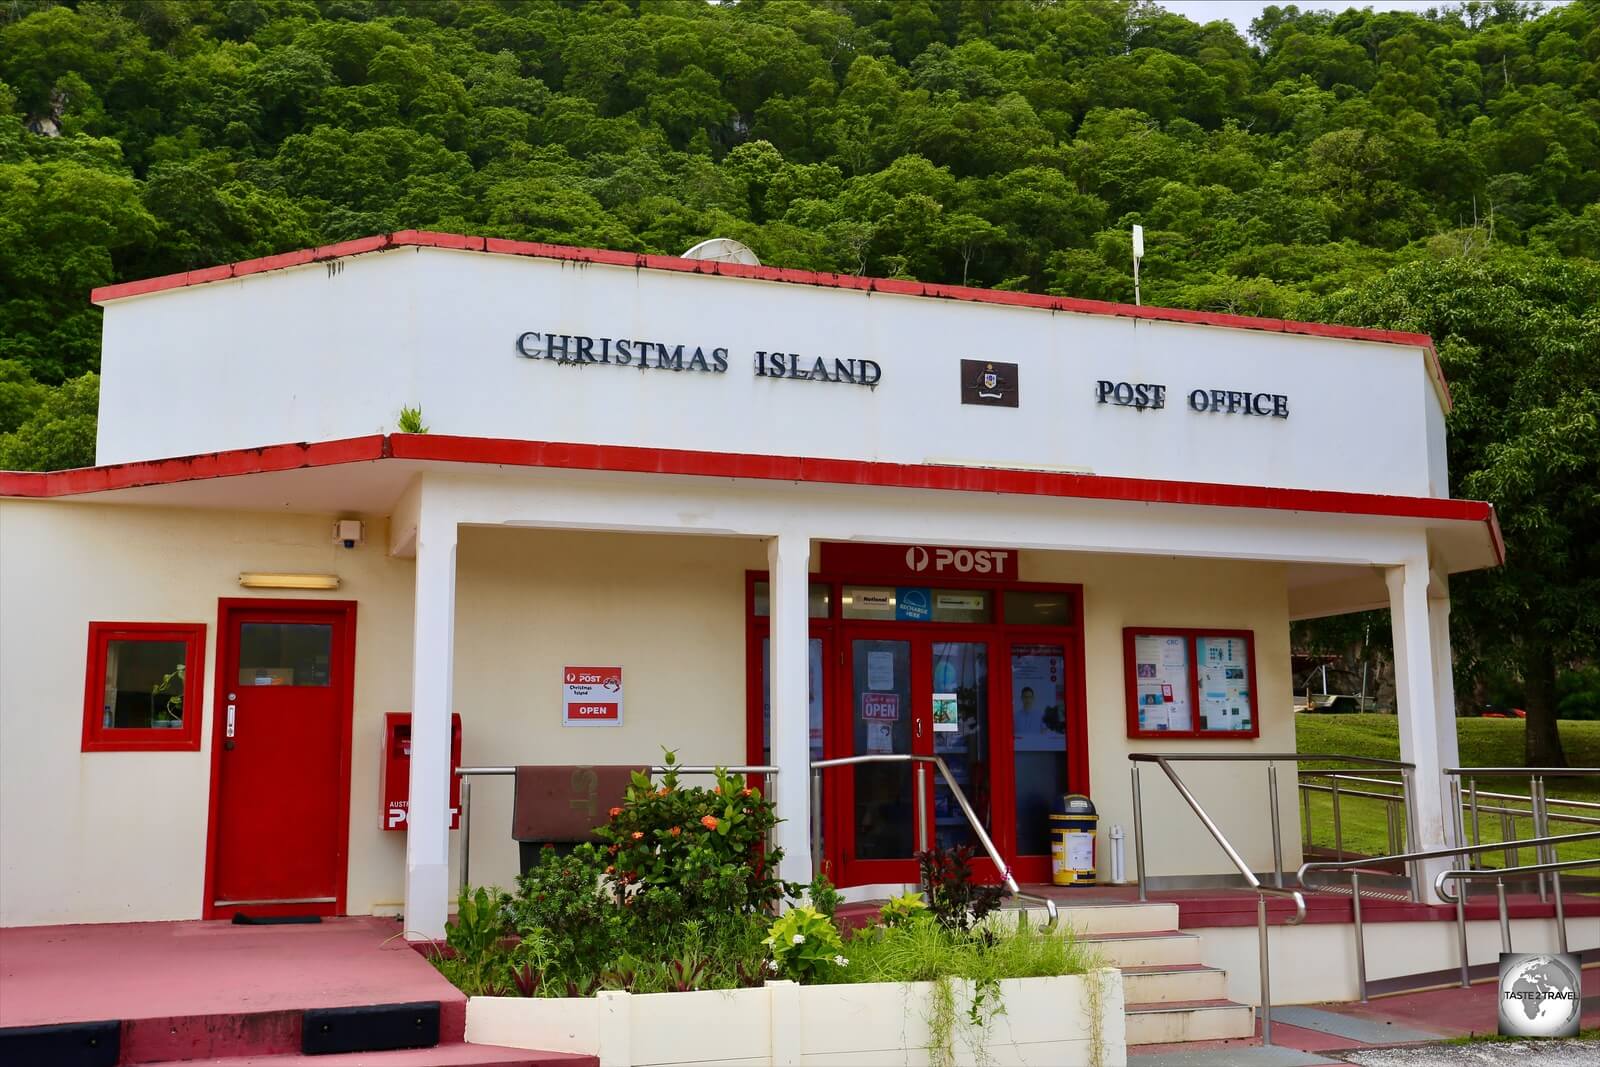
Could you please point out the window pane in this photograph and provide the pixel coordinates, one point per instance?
(881, 723)
(1224, 683)
(144, 685)
(817, 679)
(1039, 739)
(961, 670)
(1161, 670)
(817, 596)
(1039, 608)
(285, 653)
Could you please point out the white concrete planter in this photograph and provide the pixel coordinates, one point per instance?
(1045, 1021)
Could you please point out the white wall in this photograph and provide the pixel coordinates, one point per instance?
(108, 836)
(334, 350)
(120, 836)
(1120, 591)
(669, 610)
(1394, 950)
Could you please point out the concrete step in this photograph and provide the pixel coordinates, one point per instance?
(1086, 920)
(1188, 1020)
(1173, 982)
(455, 1054)
(1147, 949)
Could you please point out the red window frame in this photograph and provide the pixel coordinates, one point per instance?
(1189, 634)
(100, 738)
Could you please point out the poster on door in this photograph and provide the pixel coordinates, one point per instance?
(591, 696)
(1161, 666)
(1038, 698)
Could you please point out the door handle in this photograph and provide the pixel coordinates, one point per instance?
(918, 722)
(228, 732)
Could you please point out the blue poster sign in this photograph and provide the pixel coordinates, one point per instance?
(914, 604)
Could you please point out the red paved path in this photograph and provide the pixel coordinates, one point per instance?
(53, 974)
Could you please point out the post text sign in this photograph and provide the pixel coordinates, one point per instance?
(921, 562)
(591, 696)
(1152, 396)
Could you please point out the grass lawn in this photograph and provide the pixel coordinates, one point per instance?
(1484, 743)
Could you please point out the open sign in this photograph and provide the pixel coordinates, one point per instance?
(591, 696)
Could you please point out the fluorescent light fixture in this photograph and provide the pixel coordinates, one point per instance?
(258, 580)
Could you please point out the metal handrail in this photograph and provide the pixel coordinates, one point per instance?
(1394, 803)
(1266, 757)
(1160, 760)
(1550, 842)
(1404, 768)
(919, 761)
(1524, 772)
(465, 774)
(1538, 802)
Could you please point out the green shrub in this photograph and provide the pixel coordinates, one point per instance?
(679, 854)
(822, 896)
(573, 918)
(955, 900)
(805, 946)
(904, 910)
(477, 962)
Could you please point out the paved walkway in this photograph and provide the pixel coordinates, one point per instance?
(59, 974)
(1368, 1034)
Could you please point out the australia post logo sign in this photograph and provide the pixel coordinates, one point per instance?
(922, 562)
(591, 696)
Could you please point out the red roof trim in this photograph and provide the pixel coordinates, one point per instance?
(513, 453)
(898, 287)
(444, 448)
(192, 468)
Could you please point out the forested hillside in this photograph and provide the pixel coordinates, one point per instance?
(1436, 172)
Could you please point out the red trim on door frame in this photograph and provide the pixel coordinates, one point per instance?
(98, 738)
(1189, 633)
(346, 610)
(895, 286)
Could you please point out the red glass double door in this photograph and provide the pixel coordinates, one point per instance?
(992, 704)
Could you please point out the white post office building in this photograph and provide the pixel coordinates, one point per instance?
(756, 516)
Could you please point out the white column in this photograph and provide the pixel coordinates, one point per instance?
(1444, 693)
(1417, 699)
(432, 673)
(788, 581)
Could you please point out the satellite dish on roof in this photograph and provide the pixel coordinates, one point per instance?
(723, 250)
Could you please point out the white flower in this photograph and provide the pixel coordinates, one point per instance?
(841, 961)
(772, 965)
(799, 939)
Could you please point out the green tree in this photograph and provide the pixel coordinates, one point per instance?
(60, 431)
(1519, 338)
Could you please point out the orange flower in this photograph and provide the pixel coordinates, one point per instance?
(676, 830)
(709, 822)
(615, 812)
(664, 791)
(611, 870)
(637, 835)
(744, 792)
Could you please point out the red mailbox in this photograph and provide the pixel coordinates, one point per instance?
(395, 784)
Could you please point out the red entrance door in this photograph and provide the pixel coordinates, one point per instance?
(921, 691)
(281, 758)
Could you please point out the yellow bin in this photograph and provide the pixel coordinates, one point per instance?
(1072, 845)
